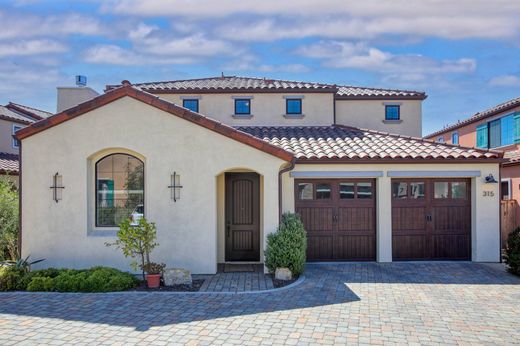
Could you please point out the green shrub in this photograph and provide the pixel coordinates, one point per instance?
(512, 253)
(40, 284)
(10, 278)
(286, 247)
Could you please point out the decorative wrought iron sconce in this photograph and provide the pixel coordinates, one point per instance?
(175, 186)
(490, 179)
(57, 187)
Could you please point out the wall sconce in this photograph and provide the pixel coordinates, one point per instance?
(490, 179)
(57, 187)
(175, 186)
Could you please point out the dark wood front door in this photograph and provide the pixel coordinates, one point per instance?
(431, 219)
(339, 217)
(242, 217)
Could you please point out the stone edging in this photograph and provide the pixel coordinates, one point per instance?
(298, 282)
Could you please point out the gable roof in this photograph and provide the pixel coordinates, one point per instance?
(243, 84)
(154, 101)
(22, 114)
(35, 113)
(345, 143)
(501, 107)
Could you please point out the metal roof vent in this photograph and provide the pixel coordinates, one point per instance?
(81, 81)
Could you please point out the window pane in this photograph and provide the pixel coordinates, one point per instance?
(458, 189)
(192, 105)
(440, 189)
(399, 190)
(294, 106)
(494, 134)
(507, 125)
(417, 190)
(346, 190)
(322, 191)
(364, 190)
(504, 189)
(119, 189)
(482, 136)
(455, 138)
(305, 191)
(242, 107)
(392, 112)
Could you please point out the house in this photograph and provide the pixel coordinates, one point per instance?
(495, 128)
(214, 163)
(13, 117)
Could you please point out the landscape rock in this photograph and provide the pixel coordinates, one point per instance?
(283, 274)
(177, 276)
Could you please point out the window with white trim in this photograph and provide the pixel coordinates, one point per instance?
(16, 143)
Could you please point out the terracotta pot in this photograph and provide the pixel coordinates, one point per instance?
(153, 280)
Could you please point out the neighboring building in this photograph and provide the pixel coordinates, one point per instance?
(215, 191)
(13, 117)
(245, 101)
(495, 128)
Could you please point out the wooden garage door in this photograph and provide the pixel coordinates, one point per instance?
(339, 217)
(431, 219)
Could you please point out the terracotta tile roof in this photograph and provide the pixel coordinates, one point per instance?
(8, 114)
(31, 111)
(349, 143)
(243, 84)
(502, 107)
(8, 163)
(361, 92)
(154, 101)
(512, 156)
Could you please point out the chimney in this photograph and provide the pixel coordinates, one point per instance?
(69, 97)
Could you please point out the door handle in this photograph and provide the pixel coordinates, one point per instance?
(228, 228)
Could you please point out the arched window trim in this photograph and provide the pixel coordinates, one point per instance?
(98, 160)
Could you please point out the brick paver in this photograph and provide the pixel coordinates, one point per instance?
(418, 303)
(236, 281)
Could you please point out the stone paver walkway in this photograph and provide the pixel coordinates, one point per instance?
(236, 281)
(370, 303)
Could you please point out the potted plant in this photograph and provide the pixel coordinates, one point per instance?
(153, 273)
(137, 241)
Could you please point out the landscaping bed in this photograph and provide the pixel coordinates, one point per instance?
(282, 283)
(195, 287)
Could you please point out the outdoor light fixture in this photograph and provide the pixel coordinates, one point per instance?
(57, 187)
(175, 186)
(490, 179)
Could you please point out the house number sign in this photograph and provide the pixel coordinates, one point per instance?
(488, 193)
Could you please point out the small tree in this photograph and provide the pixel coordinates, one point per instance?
(512, 253)
(9, 223)
(136, 242)
(287, 246)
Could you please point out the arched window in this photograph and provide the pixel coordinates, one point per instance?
(119, 189)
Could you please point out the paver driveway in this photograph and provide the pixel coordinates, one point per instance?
(337, 303)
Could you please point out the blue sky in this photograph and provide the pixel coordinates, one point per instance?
(465, 54)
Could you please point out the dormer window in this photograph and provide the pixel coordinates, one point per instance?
(191, 104)
(392, 112)
(293, 106)
(242, 107)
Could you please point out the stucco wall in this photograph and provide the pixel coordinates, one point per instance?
(63, 232)
(6, 136)
(370, 114)
(266, 108)
(485, 229)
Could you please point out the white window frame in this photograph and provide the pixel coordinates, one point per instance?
(508, 181)
(15, 143)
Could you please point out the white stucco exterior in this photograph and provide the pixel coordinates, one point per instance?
(191, 230)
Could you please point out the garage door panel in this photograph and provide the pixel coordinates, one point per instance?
(316, 218)
(408, 218)
(408, 247)
(456, 218)
(319, 247)
(451, 246)
(355, 247)
(355, 219)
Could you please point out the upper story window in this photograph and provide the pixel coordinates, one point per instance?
(392, 112)
(119, 190)
(242, 106)
(293, 106)
(440, 139)
(499, 132)
(455, 138)
(191, 104)
(16, 143)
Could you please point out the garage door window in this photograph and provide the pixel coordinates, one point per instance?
(322, 191)
(458, 189)
(364, 190)
(417, 190)
(440, 189)
(346, 190)
(400, 190)
(305, 191)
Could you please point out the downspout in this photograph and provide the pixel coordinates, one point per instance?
(334, 110)
(20, 200)
(500, 211)
(282, 171)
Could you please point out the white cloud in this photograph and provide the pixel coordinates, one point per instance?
(115, 55)
(505, 81)
(337, 18)
(31, 47)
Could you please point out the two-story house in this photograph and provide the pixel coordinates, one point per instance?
(13, 117)
(495, 128)
(214, 162)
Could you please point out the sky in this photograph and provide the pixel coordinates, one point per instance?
(464, 54)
